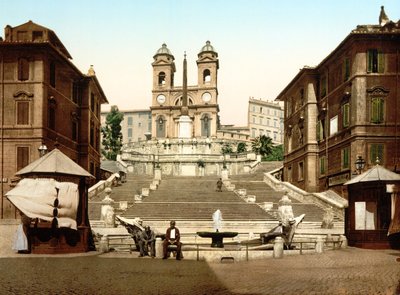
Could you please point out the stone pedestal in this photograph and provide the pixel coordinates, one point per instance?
(343, 239)
(159, 248)
(138, 198)
(104, 244)
(224, 174)
(145, 192)
(278, 248)
(184, 127)
(157, 173)
(319, 246)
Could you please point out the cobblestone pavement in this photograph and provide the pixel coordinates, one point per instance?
(346, 271)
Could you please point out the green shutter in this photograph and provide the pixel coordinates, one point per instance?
(322, 165)
(346, 69)
(345, 158)
(370, 59)
(346, 114)
(381, 62)
(380, 109)
(376, 152)
(377, 110)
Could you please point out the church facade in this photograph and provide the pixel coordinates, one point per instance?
(202, 99)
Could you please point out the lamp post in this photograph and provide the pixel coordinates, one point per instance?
(42, 150)
(360, 164)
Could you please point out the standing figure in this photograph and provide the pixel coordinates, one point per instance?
(147, 240)
(21, 240)
(172, 237)
(219, 185)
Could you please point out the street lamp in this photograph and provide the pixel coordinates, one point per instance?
(360, 164)
(42, 150)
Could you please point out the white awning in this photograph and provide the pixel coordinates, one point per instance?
(35, 198)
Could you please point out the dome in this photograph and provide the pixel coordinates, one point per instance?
(207, 48)
(163, 50)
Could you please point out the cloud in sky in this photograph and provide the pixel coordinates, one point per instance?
(261, 44)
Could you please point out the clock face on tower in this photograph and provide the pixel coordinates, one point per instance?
(206, 97)
(161, 98)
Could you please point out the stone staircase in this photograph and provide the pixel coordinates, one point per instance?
(191, 201)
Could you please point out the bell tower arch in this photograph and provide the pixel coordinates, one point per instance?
(207, 66)
(163, 69)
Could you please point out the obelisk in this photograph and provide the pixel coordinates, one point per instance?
(184, 122)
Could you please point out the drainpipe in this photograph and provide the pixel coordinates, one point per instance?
(396, 141)
(327, 123)
(2, 136)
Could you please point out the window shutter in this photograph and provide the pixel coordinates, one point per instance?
(345, 158)
(370, 58)
(346, 115)
(22, 157)
(22, 113)
(376, 152)
(23, 69)
(381, 62)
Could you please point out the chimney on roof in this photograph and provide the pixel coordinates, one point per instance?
(383, 18)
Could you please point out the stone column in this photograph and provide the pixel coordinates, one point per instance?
(159, 248)
(278, 248)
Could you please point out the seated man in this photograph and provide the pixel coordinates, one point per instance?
(147, 240)
(172, 237)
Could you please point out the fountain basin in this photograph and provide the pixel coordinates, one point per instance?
(217, 237)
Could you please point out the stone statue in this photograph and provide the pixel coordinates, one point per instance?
(285, 210)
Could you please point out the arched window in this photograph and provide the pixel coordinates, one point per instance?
(160, 125)
(178, 102)
(206, 76)
(205, 126)
(161, 78)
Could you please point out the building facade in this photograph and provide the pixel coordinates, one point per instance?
(136, 125)
(266, 118)
(45, 100)
(346, 108)
(202, 99)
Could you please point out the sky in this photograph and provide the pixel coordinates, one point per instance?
(261, 44)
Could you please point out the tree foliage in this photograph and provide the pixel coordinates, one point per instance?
(276, 154)
(112, 136)
(226, 149)
(241, 147)
(262, 145)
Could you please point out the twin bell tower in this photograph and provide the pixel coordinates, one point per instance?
(185, 111)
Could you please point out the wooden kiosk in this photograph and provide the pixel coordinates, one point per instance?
(48, 236)
(373, 215)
